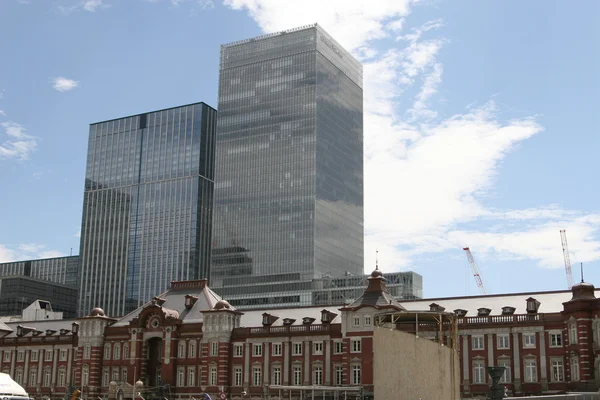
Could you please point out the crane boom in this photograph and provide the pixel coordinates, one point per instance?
(565, 248)
(475, 269)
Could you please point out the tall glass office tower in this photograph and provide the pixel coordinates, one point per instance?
(289, 166)
(147, 208)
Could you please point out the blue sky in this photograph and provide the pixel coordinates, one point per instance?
(480, 126)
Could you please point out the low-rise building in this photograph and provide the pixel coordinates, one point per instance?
(189, 341)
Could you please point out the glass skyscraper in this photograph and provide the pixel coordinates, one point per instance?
(147, 209)
(63, 270)
(289, 166)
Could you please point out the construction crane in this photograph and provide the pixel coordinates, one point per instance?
(475, 270)
(563, 239)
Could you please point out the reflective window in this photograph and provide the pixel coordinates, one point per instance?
(289, 166)
(147, 210)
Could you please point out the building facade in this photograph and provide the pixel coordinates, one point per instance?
(189, 341)
(548, 342)
(325, 291)
(289, 164)
(63, 270)
(18, 292)
(147, 209)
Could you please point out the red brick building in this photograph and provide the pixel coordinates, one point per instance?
(548, 342)
(189, 341)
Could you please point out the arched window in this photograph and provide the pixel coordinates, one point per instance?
(192, 350)
(47, 377)
(33, 377)
(117, 351)
(62, 377)
(85, 376)
(573, 332)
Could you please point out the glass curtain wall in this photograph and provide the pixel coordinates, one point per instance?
(288, 192)
(147, 210)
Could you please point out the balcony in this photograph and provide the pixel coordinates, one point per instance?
(286, 330)
(505, 319)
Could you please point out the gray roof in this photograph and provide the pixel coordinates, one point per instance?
(175, 300)
(252, 318)
(550, 302)
(53, 324)
(4, 327)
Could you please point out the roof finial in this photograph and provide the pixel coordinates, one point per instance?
(377, 259)
(581, 272)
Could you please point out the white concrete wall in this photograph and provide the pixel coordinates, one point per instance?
(409, 368)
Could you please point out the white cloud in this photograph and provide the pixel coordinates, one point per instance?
(26, 251)
(419, 109)
(352, 23)
(195, 4)
(540, 241)
(6, 254)
(17, 144)
(92, 5)
(396, 25)
(86, 5)
(51, 254)
(64, 84)
(2, 113)
(427, 176)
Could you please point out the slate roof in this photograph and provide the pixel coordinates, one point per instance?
(175, 302)
(253, 318)
(550, 302)
(375, 295)
(4, 327)
(53, 324)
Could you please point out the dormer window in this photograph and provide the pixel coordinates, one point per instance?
(532, 305)
(269, 319)
(64, 331)
(460, 312)
(190, 301)
(483, 312)
(327, 316)
(288, 321)
(307, 320)
(436, 307)
(50, 332)
(508, 310)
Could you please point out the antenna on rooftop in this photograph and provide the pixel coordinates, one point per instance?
(581, 272)
(376, 258)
